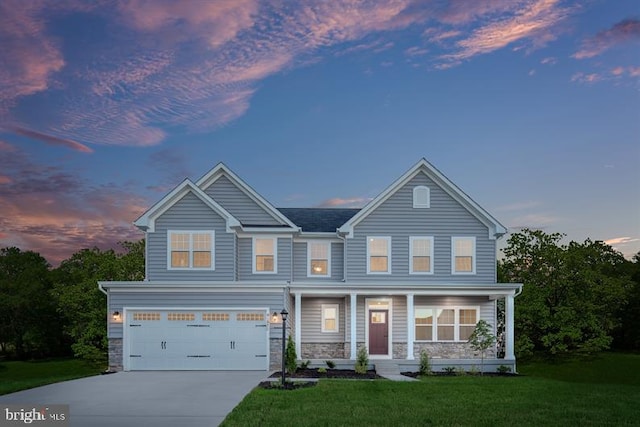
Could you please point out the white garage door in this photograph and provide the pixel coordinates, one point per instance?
(197, 340)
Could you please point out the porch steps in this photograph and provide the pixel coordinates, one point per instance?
(390, 370)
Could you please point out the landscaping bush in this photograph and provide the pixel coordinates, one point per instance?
(291, 358)
(425, 364)
(330, 363)
(362, 361)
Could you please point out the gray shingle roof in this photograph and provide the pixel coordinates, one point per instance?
(313, 220)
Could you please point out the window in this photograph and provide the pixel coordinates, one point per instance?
(463, 255)
(264, 255)
(421, 254)
(421, 197)
(329, 317)
(378, 255)
(318, 259)
(445, 323)
(191, 249)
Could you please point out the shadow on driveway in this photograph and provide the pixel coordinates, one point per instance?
(151, 398)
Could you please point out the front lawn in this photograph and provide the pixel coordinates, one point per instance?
(534, 399)
(16, 376)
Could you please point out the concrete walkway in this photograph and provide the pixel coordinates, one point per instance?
(152, 398)
(390, 370)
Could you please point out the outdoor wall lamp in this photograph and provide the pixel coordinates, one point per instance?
(274, 317)
(116, 316)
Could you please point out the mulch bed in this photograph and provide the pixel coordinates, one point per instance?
(330, 373)
(455, 374)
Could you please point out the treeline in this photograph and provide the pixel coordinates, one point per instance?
(577, 298)
(47, 312)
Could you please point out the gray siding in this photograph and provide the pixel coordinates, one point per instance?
(397, 218)
(120, 300)
(300, 263)
(312, 320)
(245, 261)
(238, 204)
(190, 213)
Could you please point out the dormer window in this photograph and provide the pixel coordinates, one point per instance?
(421, 197)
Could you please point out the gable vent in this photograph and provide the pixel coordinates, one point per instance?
(421, 197)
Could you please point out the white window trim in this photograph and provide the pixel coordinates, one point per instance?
(456, 321)
(275, 254)
(431, 263)
(417, 205)
(191, 233)
(453, 255)
(388, 239)
(324, 242)
(322, 327)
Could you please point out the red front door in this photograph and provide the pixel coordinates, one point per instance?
(379, 332)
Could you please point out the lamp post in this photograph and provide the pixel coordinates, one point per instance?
(284, 314)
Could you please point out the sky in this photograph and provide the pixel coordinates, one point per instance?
(532, 107)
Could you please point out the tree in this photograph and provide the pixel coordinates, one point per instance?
(291, 358)
(481, 340)
(571, 293)
(29, 325)
(80, 301)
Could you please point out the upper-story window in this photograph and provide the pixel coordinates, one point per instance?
(378, 255)
(421, 254)
(318, 259)
(463, 255)
(421, 197)
(265, 258)
(190, 249)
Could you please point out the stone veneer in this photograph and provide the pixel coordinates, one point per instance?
(275, 354)
(449, 350)
(332, 350)
(115, 354)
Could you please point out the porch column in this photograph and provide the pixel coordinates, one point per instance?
(353, 298)
(508, 328)
(298, 318)
(410, 327)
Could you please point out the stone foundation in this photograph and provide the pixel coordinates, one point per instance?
(275, 354)
(399, 350)
(448, 350)
(115, 354)
(333, 350)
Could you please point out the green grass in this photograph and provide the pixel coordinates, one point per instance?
(571, 393)
(16, 376)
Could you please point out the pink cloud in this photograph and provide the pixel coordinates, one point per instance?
(49, 139)
(549, 60)
(534, 21)
(586, 78)
(353, 202)
(622, 32)
(5, 180)
(5, 146)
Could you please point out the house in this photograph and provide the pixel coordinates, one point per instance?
(413, 270)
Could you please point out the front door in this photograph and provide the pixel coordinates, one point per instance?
(379, 332)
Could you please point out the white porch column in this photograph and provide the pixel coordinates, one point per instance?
(508, 328)
(410, 327)
(353, 299)
(298, 319)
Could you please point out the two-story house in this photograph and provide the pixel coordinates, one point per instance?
(413, 270)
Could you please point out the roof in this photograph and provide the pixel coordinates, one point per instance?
(318, 220)
(423, 166)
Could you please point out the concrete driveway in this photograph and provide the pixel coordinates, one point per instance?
(151, 398)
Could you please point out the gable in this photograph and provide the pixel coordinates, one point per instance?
(244, 203)
(439, 182)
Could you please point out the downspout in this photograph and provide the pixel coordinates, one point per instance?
(344, 257)
(146, 255)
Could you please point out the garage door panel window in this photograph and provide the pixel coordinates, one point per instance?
(186, 317)
(146, 316)
(445, 323)
(250, 317)
(215, 317)
(191, 249)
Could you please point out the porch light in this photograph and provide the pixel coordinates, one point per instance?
(274, 317)
(284, 313)
(116, 316)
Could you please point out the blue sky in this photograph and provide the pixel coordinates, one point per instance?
(532, 107)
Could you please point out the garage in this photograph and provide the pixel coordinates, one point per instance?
(167, 339)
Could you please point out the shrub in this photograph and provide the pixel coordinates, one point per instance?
(503, 369)
(474, 370)
(460, 371)
(481, 339)
(322, 370)
(425, 364)
(305, 364)
(330, 363)
(290, 357)
(449, 370)
(362, 361)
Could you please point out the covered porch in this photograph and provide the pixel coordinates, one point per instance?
(399, 322)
